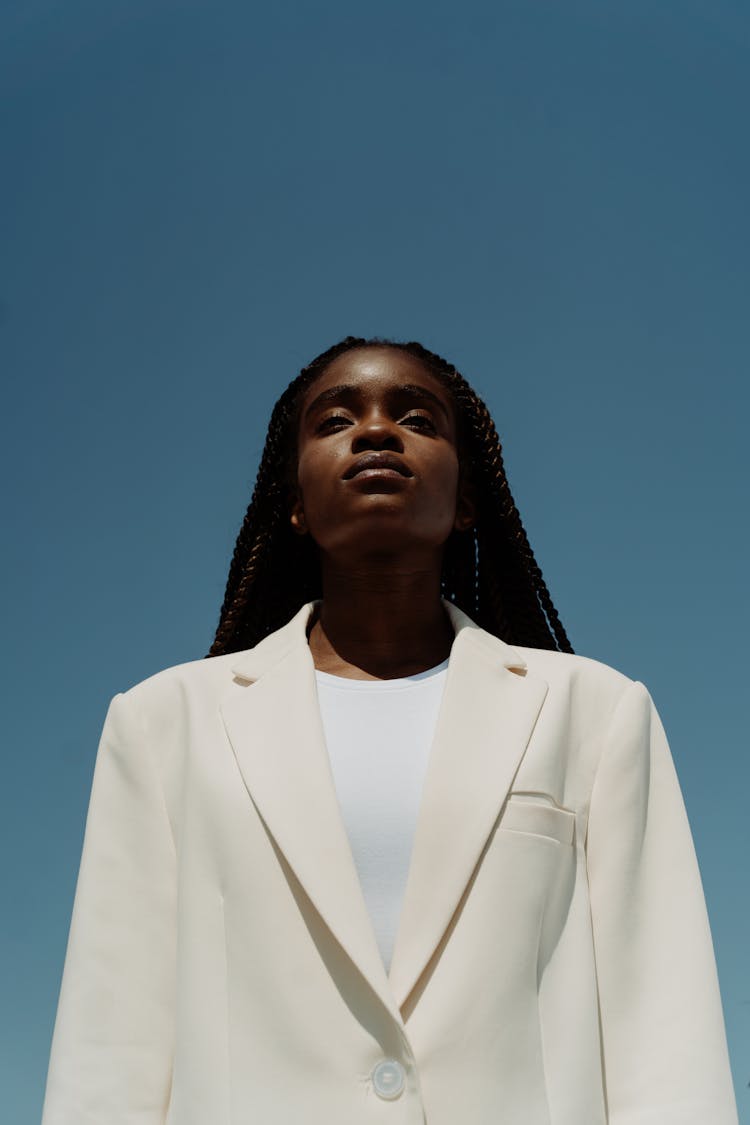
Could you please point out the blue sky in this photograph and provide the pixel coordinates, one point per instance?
(197, 198)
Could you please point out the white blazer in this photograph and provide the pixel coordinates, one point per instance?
(553, 964)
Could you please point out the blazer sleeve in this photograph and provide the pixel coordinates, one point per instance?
(664, 1045)
(112, 1045)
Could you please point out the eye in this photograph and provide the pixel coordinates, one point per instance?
(333, 421)
(421, 421)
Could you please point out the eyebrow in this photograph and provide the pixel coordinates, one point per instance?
(348, 390)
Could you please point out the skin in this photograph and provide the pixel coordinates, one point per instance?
(380, 535)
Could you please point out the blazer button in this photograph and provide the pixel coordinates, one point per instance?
(388, 1078)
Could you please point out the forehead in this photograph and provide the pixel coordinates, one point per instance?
(377, 370)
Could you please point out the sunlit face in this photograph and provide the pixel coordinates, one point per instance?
(378, 465)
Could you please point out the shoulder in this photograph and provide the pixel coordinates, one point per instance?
(586, 687)
(184, 687)
(558, 669)
(197, 686)
(573, 668)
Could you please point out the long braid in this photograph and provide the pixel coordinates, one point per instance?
(257, 598)
(519, 601)
(490, 572)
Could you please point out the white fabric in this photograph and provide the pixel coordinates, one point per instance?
(379, 734)
(553, 964)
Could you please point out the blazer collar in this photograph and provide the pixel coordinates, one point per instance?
(252, 663)
(489, 709)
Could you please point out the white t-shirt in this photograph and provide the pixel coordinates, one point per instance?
(379, 734)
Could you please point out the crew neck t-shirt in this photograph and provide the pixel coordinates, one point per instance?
(379, 734)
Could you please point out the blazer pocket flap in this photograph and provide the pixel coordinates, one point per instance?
(526, 814)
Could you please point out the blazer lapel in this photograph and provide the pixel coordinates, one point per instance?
(488, 712)
(489, 709)
(272, 718)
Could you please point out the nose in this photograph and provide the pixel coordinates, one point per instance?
(377, 432)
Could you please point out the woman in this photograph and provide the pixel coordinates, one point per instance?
(393, 854)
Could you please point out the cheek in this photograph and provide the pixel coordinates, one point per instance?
(441, 487)
(307, 472)
(317, 478)
(442, 476)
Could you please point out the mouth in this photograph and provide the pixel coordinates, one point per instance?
(378, 464)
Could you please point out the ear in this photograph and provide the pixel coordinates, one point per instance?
(466, 505)
(297, 517)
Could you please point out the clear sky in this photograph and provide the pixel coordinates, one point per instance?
(199, 197)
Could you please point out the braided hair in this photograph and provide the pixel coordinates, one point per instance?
(489, 572)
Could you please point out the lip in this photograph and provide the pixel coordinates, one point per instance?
(378, 464)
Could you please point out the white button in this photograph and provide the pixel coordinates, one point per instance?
(388, 1078)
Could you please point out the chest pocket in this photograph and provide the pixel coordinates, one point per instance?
(537, 814)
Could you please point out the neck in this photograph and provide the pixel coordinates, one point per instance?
(377, 625)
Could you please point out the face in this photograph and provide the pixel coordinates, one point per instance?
(378, 467)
